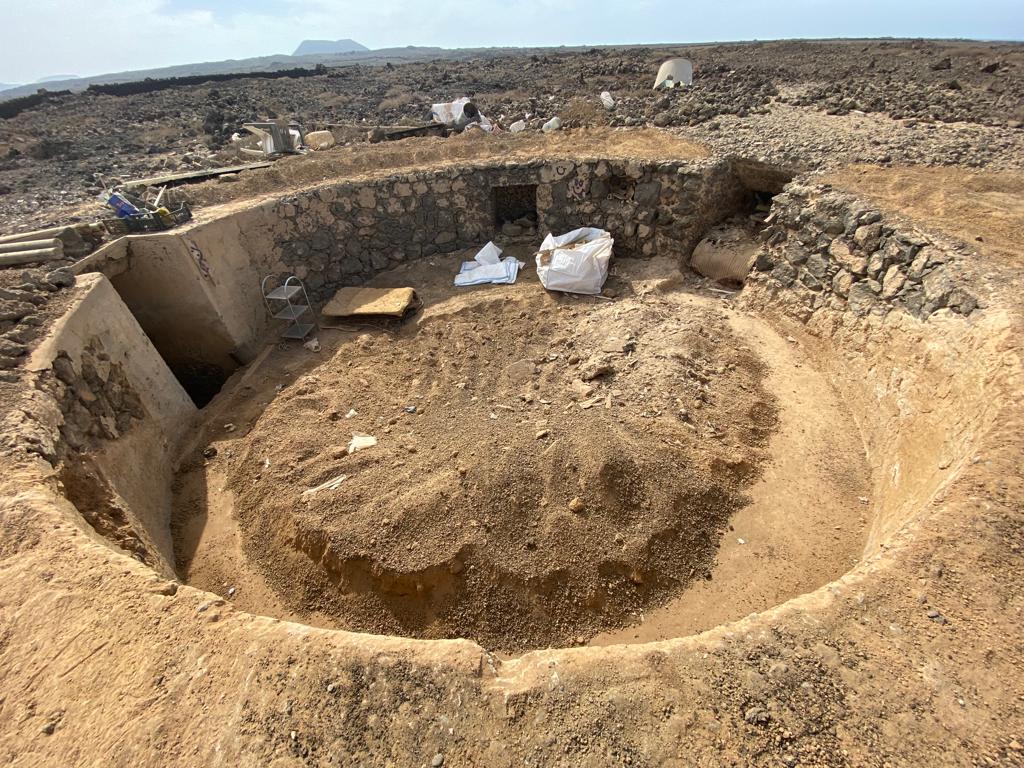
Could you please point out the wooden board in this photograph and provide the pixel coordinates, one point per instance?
(187, 177)
(371, 302)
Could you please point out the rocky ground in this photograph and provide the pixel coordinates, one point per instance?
(57, 156)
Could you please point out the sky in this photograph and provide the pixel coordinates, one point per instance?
(50, 37)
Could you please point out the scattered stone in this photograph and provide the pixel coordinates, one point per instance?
(595, 369)
(757, 716)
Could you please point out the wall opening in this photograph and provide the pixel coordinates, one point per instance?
(182, 326)
(202, 381)
(516, 204)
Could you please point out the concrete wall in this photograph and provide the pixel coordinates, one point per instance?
(122, 414)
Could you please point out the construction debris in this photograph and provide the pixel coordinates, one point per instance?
(276, 138)
(192, 177)
(674, 72)
(460, 114)
(137, 214)
(431, 129)
(49, 244)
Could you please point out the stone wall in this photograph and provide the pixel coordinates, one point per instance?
(829, 249)
(343, 234)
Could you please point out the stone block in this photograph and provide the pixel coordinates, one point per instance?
(893, 282)
(319, 140)
(647, 194)
(842, 283)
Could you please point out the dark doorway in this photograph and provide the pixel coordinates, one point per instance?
(515, 205)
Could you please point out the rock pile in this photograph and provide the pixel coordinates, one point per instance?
(24, 306)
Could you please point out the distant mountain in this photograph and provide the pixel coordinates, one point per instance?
(5, 86)
(55, 78)
(257, 64)
(320, 47)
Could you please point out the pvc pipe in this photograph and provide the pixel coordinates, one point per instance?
(30, 257)
(32, 245)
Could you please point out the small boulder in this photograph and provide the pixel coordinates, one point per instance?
(318, 140)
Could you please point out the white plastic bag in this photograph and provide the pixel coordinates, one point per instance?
(489, 254)
(576, 262)
(607, 100)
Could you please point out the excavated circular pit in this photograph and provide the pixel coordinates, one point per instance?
(547, 468)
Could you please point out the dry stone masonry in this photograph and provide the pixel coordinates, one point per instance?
(344, 234)
(829, 249)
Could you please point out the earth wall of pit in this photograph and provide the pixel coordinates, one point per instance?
(111, 659)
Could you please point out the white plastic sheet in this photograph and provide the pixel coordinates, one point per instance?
(576, 262)
(488, 267)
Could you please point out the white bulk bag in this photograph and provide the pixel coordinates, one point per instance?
(576, 262)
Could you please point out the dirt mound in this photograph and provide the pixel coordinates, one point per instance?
(544, 470)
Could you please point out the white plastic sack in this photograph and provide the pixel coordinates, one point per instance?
(517, 126)
(607, 100)
(576, 262)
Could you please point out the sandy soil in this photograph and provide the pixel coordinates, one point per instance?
(913, 657)
(983, 208)
(236, 532)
